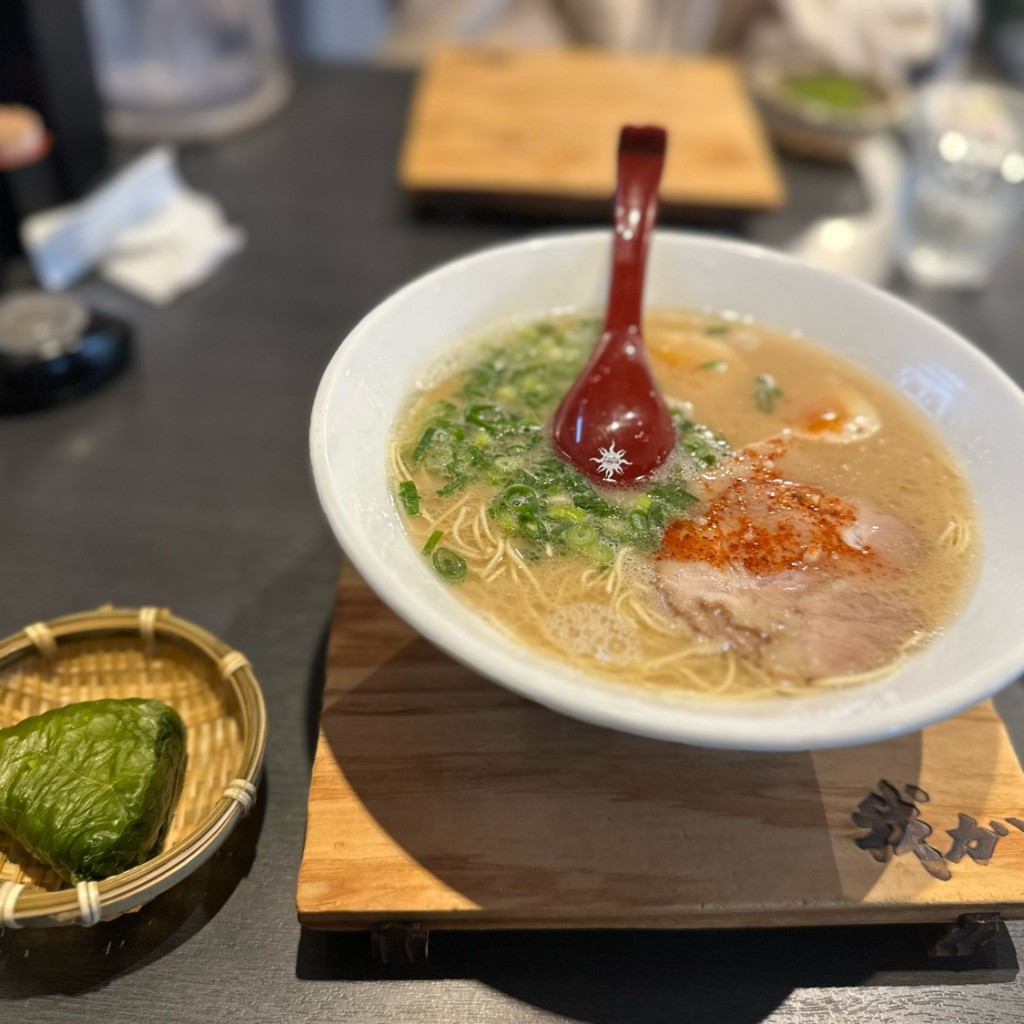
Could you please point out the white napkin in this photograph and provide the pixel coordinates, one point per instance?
(144, 230)
(172, 251)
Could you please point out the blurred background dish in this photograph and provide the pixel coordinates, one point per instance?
(187, 69)
(814, 110)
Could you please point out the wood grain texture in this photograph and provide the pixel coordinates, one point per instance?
(441, 797)
(535, 123)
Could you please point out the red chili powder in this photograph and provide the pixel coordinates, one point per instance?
(767, 524)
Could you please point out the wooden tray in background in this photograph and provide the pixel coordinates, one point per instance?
(537, 125)
(439, 797)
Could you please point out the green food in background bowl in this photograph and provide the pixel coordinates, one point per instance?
(839, 93)
(819, 112)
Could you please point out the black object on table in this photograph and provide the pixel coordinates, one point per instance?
(185, 483)
(53, 348)
(46, 64)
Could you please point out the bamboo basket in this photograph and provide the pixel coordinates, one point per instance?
(147, 652)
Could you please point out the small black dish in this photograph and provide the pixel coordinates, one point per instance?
(53, 348)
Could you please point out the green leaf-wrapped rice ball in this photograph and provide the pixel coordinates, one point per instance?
(89, 788)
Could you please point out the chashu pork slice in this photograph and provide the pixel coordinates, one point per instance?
(795, 624)
(800, 582)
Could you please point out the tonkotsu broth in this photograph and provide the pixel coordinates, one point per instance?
(599, 604)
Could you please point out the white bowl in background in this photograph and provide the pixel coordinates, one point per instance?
(974, 405)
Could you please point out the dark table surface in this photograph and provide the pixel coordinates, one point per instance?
(186, 484)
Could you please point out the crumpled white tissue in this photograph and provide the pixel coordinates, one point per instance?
(144, 230)
(173, 250)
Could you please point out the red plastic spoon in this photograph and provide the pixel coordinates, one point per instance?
(612, 424)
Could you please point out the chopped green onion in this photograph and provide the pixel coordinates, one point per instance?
(568, 515)
(492, 434)
(409, 497)
(506, 521)
(530, 525)
(638, 521)
(765, 392)
(424, 443)
(452, 486)
(674, 494)
(450, 566)
(485, 415)
(579, 535)
(714, 364)
(520, 496)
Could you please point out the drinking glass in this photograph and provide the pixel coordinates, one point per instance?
(963, 196)
(179, 69)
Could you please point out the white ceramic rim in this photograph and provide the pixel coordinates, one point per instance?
(615, 705)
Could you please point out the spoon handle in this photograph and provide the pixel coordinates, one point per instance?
(641, 158)
(613, 424)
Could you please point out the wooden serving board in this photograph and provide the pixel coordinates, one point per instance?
(545, 123)
(442, 798)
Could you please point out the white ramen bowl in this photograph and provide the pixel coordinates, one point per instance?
(975, 406)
